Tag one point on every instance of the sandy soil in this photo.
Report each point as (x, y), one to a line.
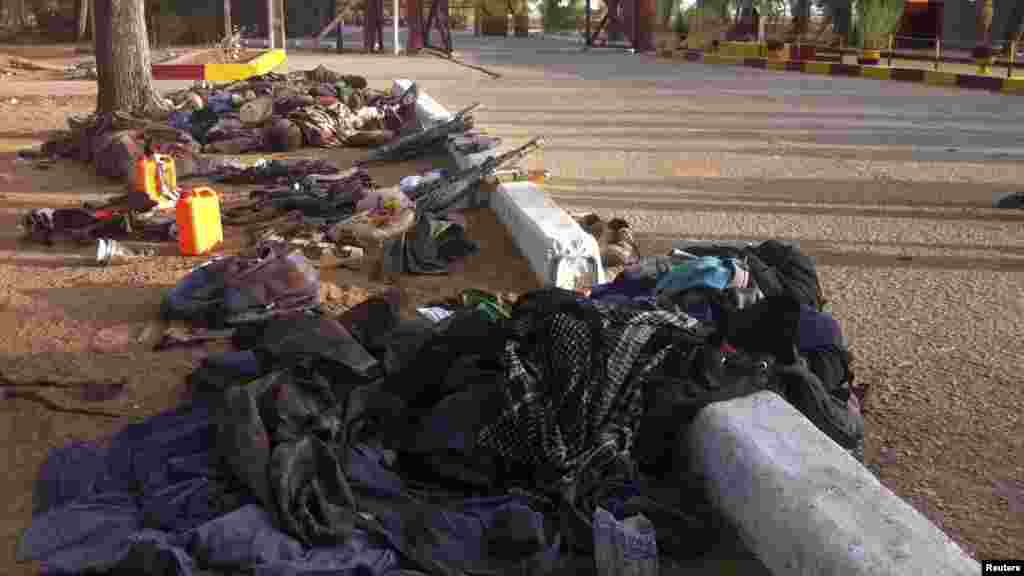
(888, 185)
(215, 56)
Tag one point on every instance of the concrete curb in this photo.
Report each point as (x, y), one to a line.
(916, 75)
(560, 253)
(803, 505)
(558, 250)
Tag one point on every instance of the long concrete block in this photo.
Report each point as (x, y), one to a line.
(558, 250)
(803, 505)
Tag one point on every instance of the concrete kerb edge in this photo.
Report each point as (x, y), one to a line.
(912, 75)
(802, 504)
(798, 500)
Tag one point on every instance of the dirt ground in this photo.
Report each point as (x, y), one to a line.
(216, 56)
(924, 276)
(63, 319)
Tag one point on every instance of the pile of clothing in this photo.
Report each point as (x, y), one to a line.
(268, 113)
(482, 437)
(118, 220)
(727, 286)
(318, 108)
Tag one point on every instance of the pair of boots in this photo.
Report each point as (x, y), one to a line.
(615, 239)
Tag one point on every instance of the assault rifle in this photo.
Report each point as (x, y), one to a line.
(437, 196)
(420, 143)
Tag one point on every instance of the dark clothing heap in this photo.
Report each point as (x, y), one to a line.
(301, 112)
(85, 225)
(431, 247)
(726, 286)
(276, 171)
(245, 289)
(317, 189)
(483, 443)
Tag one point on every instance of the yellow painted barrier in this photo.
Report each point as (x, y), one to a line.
(818, 68)
(740, 50)
(875, 72)
(718, 59)
(936, 78)
(240, 71)
(1013, 85)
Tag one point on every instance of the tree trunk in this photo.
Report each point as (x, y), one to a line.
(801, 14)
(122, 59)
(227, 18)
(16, 13)
(984, 13)
(1013, 26)
(83, 18)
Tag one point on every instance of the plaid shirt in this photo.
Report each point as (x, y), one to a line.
(576, 384)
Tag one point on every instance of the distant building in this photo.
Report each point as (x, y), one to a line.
(951, 20)
(959, 16)
(200, 21)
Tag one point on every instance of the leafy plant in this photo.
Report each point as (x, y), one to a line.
(876, 20)
(680, 23)
(557, 17)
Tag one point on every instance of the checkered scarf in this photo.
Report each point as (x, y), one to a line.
(324, 126)
(575, 372)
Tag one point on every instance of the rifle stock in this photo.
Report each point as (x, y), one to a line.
(412, 145)
(438, 195)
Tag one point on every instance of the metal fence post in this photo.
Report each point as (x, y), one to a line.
(892, 44)
(1013, 54)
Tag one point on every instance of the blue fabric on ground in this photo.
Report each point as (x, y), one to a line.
(180, 120)
(54, 488)
(244, 363)
(156, 499)
(92, 533)
(156, 474)
(624, 288)
(247, 537)
(196, 295)
(818, 330)
(707, 271)
(220, 102)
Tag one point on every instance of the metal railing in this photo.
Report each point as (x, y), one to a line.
(931, 51)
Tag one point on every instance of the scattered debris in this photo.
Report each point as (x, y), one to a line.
(1012, 200)
(334, 411)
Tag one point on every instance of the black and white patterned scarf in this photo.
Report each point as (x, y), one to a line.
(575, 371)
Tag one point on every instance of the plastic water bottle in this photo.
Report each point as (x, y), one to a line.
(626, 548)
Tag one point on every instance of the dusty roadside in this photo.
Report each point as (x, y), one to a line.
(890, 191)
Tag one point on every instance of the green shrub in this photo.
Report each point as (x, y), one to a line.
(680, 23)
(557, 18)
(876, 20)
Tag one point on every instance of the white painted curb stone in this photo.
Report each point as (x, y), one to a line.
(558, 250)
(428, 110)
(803, 505)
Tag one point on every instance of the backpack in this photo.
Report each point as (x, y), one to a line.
(277, 281)
(782, 269)
(116, 153)
(238, 289)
